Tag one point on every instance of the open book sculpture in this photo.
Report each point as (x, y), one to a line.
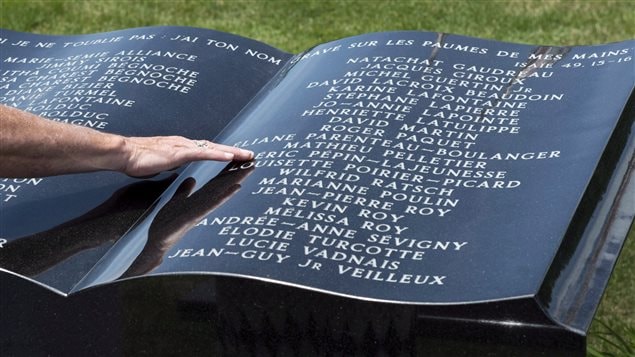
(408, 186)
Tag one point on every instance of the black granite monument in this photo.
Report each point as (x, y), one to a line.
(412, 194)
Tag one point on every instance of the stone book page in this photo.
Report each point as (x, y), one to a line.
(138, 82)
(402, 167)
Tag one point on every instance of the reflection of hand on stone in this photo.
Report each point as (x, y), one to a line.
(182, 213)
(33, 254)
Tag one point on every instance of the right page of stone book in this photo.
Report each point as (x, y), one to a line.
(404, 167)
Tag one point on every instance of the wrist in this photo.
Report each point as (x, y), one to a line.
(115, 153)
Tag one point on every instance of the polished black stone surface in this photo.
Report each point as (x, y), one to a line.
(523, 269)
(230, 316)
(80, 216)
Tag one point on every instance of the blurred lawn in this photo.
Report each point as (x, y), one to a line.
(296, 25)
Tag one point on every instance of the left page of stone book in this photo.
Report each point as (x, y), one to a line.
(138, 82)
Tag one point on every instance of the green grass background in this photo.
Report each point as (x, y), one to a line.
(294, 26)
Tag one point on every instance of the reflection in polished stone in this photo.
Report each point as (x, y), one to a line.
(39, 252)
(184, 210)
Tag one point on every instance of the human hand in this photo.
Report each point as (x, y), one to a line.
(145, 156)
(35, 147)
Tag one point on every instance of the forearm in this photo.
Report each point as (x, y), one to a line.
(32, 147)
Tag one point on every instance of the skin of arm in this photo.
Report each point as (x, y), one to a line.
(31, 146)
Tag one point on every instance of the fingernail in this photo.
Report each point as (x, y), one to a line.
(248, 153)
